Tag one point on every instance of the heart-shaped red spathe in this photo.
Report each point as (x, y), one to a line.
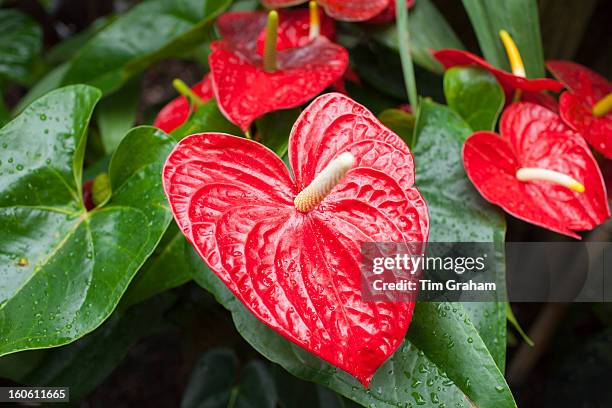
(293, 28)
(299, 273)
(177, 111)
(354, 10)
(450, 58)
(533, 136)
(586, 88)
(245, 91)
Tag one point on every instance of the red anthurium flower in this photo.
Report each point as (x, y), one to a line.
(509, 82)
(246, 88)
(176, 112)
(289, 248)
(587, 107)
(354, 10)
(538, 170)
(293, 28)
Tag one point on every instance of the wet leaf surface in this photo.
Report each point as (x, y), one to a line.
(64, 269)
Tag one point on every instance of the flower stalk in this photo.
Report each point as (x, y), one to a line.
(403, 34)
(310, 197)
(183, 89)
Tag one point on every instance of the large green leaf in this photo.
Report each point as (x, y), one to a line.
(20, 43)
(428, 31)
(520, 19)
(116, 114)
(149, 32)
(213, 383)
(49, 82)
(66, 49)
(442, 361)
(63, 269)
(474, 94)
(457, 212)
(84, 364)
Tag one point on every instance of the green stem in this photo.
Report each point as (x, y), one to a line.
(183, 89)
(403, 35)
(269, 58)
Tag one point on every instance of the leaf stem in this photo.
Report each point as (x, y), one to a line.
(183, 89)
(403, 35)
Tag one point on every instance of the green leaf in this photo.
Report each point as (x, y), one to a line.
(475, 94)
(457, 212)
(66, 49)
(428, 31)
(84, 364)
(49, 82)
(424, 370)
(520, 19)
(212, 383)
(20, 43)
(5, 115)
(208, 118)
(402, 123)
(273, 129)
(116, 115)
(64, 269)
(149, 32)
(166, 269)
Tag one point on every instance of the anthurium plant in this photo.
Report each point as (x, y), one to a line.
(213, 169)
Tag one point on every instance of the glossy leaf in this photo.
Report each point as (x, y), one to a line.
(213, 383)
(458, 213)
(5, 115)
(84, 364)
(149, 32)
(306, 286)
(520, 19)
(20, 43)
(67, 48)
(64, 269)
(418, 372)
(474, 94)
(47, 83)
(167, 268)
(428, 31)
(116, 115)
